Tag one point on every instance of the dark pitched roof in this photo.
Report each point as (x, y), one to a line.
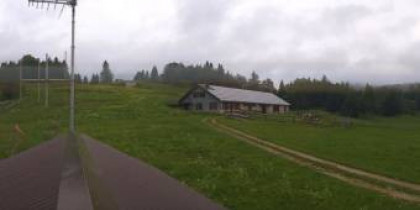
(245, 96)
(137, 185)
(31, 180)
(36, 179)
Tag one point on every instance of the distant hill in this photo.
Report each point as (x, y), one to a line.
(403, 87)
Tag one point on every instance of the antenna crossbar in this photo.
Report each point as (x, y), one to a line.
(55, 2)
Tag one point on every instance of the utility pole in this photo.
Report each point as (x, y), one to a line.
(72, 4)
(20, 80)
(66, 69)
(38, 82)
(46, 79)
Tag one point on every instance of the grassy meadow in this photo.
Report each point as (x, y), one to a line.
(389, 146)
(139, 122)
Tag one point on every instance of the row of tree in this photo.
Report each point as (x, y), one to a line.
(29, 66)
(211, 74)
(303, 93)
(144, 75)
(105, 76)
(57, 69)
(35, 68)
(350, 101)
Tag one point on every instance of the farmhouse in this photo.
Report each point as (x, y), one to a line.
(223, 99)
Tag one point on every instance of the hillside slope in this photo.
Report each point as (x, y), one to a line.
(138, 122)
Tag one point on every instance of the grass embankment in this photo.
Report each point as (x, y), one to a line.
(26, 123)
(138, 121)
(389, 146)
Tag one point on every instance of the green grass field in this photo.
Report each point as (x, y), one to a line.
(389, 146)
(139, 122)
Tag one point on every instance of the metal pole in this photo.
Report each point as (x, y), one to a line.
(72, 4)
(73, 23)
(20, 80)
(65, 67)
(46, 80)
(38, 82)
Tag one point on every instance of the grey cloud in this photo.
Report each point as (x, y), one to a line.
(411, 58)
(202, 20)
(362, 41)
(345, 15)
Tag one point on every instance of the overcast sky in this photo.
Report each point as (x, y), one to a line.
(375, 41)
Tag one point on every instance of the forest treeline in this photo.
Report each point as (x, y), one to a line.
(303, 93)
(212, 74)
(342, 98)
(28, 66)
(9, 71)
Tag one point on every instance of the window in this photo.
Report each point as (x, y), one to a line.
(250, 107)
(187, 106)
(213, 106)
(199, 93)
(263, 108)
(225, 106)
(236, 106)
(231, 106)
(199, 106)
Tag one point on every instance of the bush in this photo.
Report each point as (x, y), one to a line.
(8, 91)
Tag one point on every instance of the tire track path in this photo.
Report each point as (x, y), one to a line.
(353, 176)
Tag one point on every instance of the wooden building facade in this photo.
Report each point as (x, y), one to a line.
(223, 99)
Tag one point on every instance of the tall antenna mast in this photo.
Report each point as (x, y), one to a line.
(72, 4)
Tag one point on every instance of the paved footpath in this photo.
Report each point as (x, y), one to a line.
(86, 174)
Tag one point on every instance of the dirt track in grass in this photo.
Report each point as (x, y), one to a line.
(385, 185)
